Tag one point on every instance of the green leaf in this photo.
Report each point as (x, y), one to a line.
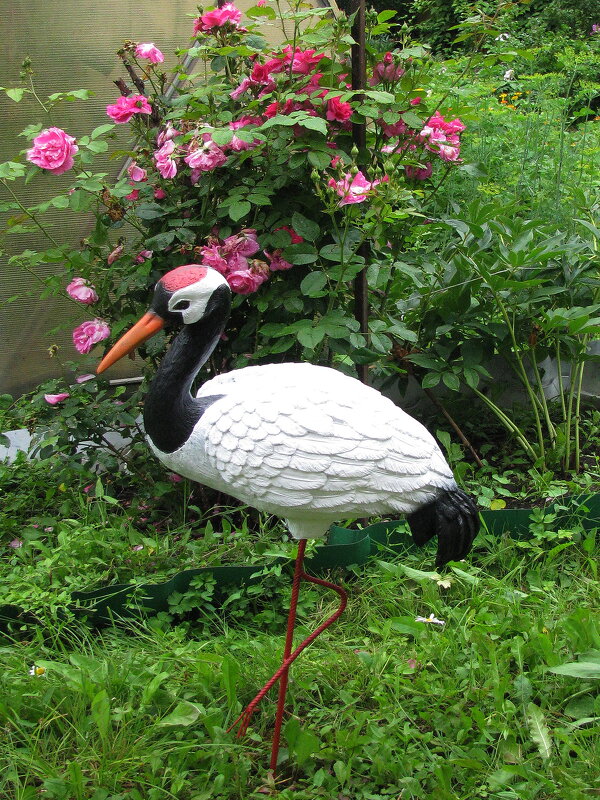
(101, 712)
(239, 209)
(314, 124)
(305, 227)
(149, 211)
(539, 730)
(12, 170)
(314, 284)
(184, 713)
(579, 669)
(319, 160)
(430, 380)
(230, 671)
(412, 120)
(310, 337)
(305, 745)
(16, 94)
(101, 130)
(451, 380)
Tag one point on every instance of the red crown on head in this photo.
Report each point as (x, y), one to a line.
(183, 276)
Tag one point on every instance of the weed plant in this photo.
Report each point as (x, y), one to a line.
(381, 706)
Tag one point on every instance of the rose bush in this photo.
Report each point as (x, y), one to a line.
(249, 164)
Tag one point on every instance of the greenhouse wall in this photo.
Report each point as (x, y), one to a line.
(71, 46)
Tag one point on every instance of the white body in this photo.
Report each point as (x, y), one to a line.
(311, 445)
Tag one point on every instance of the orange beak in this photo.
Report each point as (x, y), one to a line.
(143, 329)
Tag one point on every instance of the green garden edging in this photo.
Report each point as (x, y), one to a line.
(344, 547)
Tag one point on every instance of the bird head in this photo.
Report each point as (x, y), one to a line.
(185, 295)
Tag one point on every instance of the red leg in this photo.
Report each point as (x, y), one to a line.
(288, 656)
(289, 638)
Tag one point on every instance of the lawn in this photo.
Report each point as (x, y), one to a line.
(380, 706)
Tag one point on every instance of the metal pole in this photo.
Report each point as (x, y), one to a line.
(359, 134)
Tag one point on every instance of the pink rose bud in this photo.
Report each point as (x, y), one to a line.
(80, 290)
(142, 256)
(150, 51)
(116, 253)
(86, 335)
(159, 194)
(53, 399)
(53, 149)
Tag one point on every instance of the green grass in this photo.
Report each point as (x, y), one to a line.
(380, 706)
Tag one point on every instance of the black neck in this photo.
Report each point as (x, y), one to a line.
(170, 410)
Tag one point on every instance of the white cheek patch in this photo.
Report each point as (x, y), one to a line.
(198, 295)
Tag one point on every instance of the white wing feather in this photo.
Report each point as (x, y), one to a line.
(312, 445)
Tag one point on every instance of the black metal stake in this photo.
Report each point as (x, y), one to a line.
(359, 135)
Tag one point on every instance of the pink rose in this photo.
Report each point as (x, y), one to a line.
(228, 14)
(276, 262)
(142, 256)
(352, 189)
(419, 173)
(205, 157)
(53, 149)
(53, 399)
(212, 256)
(125, 107)
(80, 290)
(245, 282)
(303, 61)
(386, 70)
(338, 111)
(296, 238)
(137, 174)
(165, 164)
(149, 51)
(159, 194)
(243, 243)
(86, 335)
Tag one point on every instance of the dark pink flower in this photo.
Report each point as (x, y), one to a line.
(204, 157)
(133, 195)
(295, 238)
(245, 281)
(386, 70)
(136, 173)
(338, 111)
(150, 51)
(352, 189)
(415, 101)
(53, 150)
(86, 335)
(142, 256)
(80, 290)
(228, 14)
(165, 164)
(167, 134)
(159, 194)
(174, 477)
(125, 107)
(243, 243)
(276, 262)
(212, 256)
(303, 61)
(53, 399)
(419, 173)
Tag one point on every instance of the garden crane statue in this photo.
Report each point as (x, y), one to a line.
(303, 442)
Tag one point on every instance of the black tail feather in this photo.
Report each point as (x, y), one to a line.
(453, 517)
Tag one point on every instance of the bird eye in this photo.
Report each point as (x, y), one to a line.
(181, 305)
